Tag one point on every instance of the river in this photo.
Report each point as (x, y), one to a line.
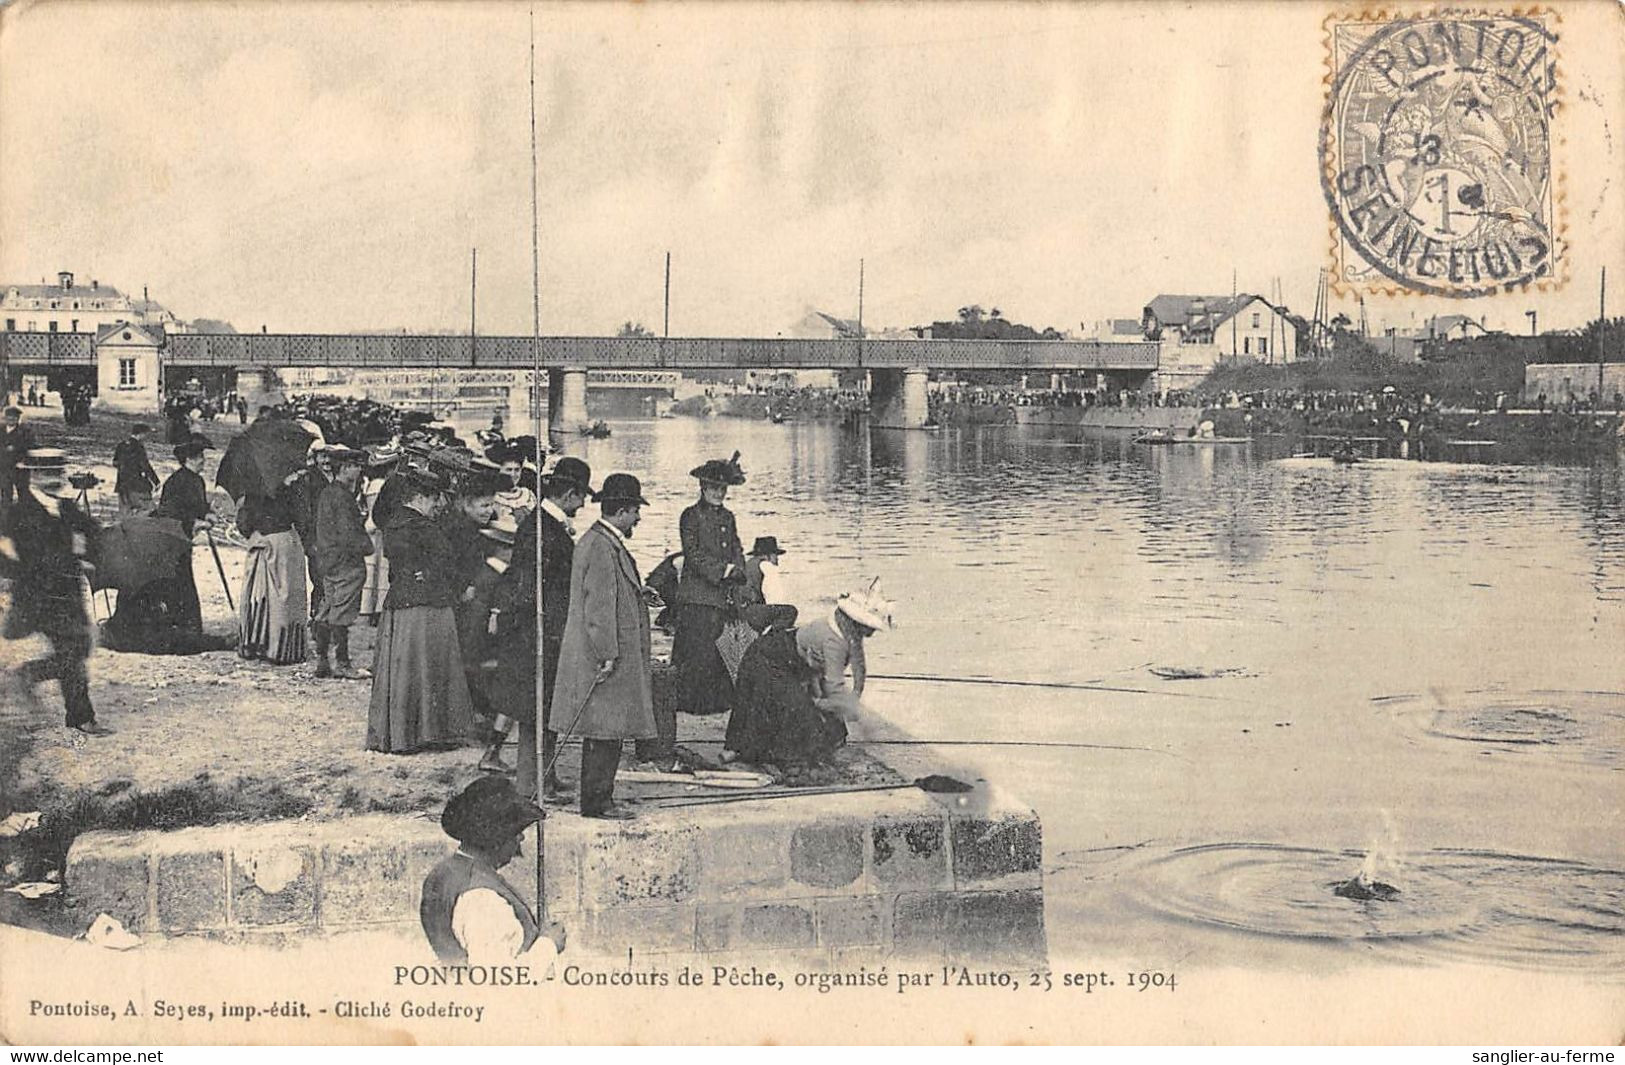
(1418, 668)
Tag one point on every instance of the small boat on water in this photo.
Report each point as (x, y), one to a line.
(1160, 437)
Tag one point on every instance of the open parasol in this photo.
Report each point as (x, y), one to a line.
(262, 458)
(140, 549)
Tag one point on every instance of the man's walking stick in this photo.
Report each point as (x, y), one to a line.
(220, 567)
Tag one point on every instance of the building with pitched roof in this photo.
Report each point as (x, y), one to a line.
(71, 307)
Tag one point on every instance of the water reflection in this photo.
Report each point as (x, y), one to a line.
(1044, 555)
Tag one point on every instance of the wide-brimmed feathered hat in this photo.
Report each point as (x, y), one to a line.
(867, 606)
(716, 471)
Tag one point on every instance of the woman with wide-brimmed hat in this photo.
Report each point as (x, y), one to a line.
(713, 573)
(419, 694)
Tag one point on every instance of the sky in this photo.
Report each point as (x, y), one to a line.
(328, 167)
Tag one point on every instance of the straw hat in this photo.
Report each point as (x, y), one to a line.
(867, 606)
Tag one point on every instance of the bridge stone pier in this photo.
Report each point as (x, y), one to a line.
(897, 398)
(567, 401)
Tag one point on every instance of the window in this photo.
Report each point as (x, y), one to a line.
(1258, 319)
(11, 325)
(53, 325)
(1246, 345)
(33, 325)
(126, 373)
(75, 327)
(1263, 345)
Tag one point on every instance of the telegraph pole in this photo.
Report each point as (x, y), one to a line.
(1602, 330)
(473, 295)
(665, 326)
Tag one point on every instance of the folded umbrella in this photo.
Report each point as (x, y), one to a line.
(137, 550)
(262, 457)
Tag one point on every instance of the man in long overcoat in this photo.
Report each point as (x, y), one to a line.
(604, 660)
(513, 615)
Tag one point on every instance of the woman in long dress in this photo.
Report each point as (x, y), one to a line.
(419, 694)
(273, 615)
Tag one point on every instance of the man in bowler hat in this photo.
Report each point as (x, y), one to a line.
(603, 691)
(513, 622)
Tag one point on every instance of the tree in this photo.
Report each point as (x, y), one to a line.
(634, 329)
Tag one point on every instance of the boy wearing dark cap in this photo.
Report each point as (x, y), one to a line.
(342, 547)
(470, 914)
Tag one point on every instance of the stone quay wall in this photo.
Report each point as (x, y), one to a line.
(838, 877)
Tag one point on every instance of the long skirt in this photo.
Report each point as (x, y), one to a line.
(774, 717)
(703, 684)
(419, 695)
(377, 584)
(272, 615)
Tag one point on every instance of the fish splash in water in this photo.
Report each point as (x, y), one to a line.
(1365, 889)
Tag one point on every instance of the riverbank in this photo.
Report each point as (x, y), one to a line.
(1513, 437)
(212, 739)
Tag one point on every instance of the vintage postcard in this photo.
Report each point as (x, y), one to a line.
(820, 523)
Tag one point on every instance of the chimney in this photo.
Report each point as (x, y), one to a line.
(65, 279)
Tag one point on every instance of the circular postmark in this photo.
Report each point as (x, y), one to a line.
(1436, 153)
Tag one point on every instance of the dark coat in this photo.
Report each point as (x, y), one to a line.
(264, 514)
(710, 546)
(46, 570)
(389, 500)
(516, 599)
(14, 444)
(185, 499)
(608, 620)
(135, 472)
(422, 564)
(342, 542)
(302, 497)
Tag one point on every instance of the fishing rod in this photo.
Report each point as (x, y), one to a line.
(1001, 682)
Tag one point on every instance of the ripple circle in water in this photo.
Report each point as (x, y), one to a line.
(1569, 726)
(1473, 906)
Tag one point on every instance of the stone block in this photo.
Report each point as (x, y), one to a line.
(993, 848)
(920, 923)
(273, 885)
(365, 881)
(756, 926)
(1003, 926)
(191, 890)
(744, 860)
(971, 927)
(660, 929)
(911, 854)
(641, 864)
(107, 872)
(853, 922)
(827, 855)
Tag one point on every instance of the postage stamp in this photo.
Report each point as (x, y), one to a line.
(1437, 153)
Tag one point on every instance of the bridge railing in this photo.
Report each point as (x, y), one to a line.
(48, 349)
(680, 353)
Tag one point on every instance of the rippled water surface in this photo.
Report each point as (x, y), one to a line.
(1420, 662)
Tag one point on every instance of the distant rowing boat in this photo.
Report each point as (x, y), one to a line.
(1165, 438)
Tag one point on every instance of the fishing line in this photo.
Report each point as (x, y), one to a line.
(1004, 683)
